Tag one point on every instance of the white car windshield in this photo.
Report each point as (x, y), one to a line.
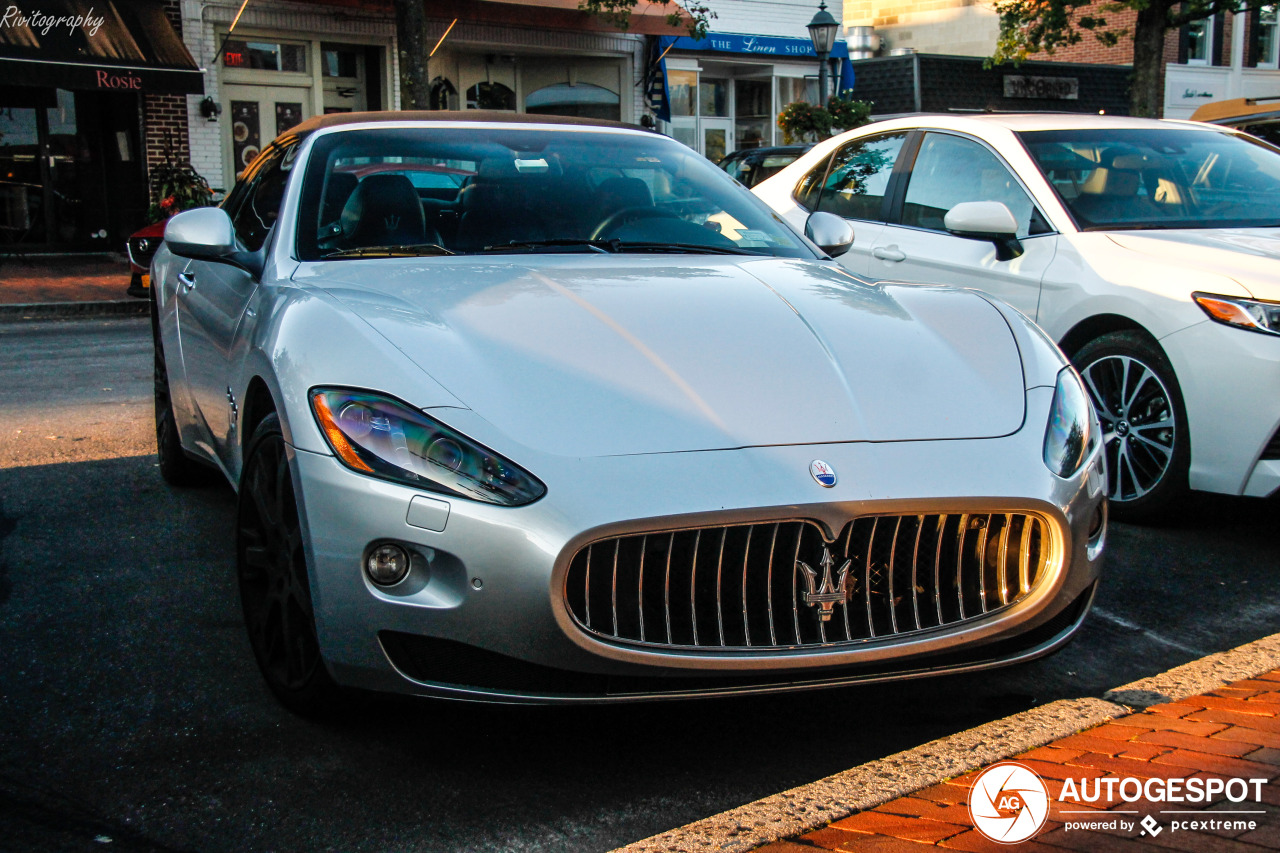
(1160, 178)
(522, 189)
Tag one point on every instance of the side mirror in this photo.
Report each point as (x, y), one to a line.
(986, 220)
(830, 232)
(206, 234)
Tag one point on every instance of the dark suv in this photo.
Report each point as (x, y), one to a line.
(752, 165)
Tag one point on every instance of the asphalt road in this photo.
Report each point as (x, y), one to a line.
(132, 717)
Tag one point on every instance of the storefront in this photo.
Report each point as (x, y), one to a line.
(72, 162)
(282, 63)
(724, 92)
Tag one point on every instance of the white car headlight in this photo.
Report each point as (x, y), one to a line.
(383, 437)
(1252, 314)
(1073, 429)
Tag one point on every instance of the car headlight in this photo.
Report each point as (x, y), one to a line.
(1073, 429)
(1252, 314)
(383, 437)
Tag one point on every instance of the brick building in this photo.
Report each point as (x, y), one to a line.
(1225, 56)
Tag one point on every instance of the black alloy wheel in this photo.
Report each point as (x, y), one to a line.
(176, 467)
(275, 591)
(1144, 423)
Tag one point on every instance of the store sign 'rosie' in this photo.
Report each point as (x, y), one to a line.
(107, 80)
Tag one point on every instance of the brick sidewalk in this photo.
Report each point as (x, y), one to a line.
(1233, 731)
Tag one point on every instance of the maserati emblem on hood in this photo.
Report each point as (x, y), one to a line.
(823, 473)
(826, 596)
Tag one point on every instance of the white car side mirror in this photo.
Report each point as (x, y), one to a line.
(986, 220)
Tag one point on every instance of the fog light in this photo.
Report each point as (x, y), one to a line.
(387, 565)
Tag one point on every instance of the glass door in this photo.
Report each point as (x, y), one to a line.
(70, 169)
(717, 138)
(258, 114)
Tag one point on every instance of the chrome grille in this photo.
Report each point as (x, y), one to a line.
(743, 586)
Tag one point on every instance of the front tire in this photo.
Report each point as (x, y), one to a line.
(275, 590)
(1144, 423)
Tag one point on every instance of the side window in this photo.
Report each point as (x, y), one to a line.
(259, 203)
(859, 176)
(950, 170)
(810, 186)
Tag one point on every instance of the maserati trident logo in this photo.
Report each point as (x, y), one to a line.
(825, 596)
(823, 473)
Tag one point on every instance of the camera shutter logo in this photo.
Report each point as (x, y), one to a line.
(1008, 803)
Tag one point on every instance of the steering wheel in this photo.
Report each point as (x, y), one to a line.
(625, 216)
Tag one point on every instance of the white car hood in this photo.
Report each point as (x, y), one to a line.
(608, 355)
(1250, 256)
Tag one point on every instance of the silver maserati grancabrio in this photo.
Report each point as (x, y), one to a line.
(536, 409)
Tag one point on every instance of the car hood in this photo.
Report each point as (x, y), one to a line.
(609, 355)
(1247, 255)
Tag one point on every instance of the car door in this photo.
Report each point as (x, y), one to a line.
(948, 169)
(854, 183)
(211, 300)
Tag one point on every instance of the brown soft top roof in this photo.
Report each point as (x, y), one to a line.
(323, 122)
(1237, 110)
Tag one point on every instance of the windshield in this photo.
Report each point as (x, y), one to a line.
(1160, 178)
(451, 190)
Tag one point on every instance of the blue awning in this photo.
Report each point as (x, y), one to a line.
(769, 46)
(778, 46)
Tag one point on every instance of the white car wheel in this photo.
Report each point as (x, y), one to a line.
(1143, 422)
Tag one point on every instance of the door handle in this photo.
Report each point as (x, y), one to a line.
(187, 280)
(889, 253)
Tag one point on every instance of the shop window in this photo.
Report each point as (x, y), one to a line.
(265, 56)
(340, 62)
(444, 95)
(682, 89)
(792, 89)
(713, 97)
(1200, 42)
(753, 107)
(491, 96)
(583, 100)
(21, 190)
(1268, 44)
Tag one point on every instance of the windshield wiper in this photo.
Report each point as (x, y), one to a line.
(683, 249)
(604, 247)
(416, 250)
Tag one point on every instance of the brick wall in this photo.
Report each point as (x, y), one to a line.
(1089, 49)
(164, 117)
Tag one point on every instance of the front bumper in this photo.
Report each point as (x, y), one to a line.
(1229, 378)
(482, 615)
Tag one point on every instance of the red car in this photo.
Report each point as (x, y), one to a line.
(141, 246)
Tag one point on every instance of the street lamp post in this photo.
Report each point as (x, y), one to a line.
(822, 31)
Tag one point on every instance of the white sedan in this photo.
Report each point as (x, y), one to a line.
(1146, 249)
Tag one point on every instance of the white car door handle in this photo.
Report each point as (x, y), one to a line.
(889, 253)
(187, 280)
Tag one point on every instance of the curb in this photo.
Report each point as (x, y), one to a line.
(65, 310)
(812, 806)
